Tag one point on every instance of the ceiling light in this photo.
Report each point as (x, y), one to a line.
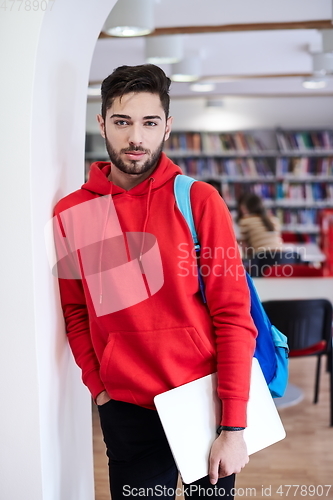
(202, 87)
(314, 83)
(186, 70)
(130, 18)
(323, 63)
(164, 49)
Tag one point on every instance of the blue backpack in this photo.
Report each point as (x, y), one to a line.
(271, 345)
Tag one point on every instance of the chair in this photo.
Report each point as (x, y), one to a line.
(263, 260)
(308, 325)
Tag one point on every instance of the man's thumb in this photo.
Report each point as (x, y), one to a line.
(213, 472)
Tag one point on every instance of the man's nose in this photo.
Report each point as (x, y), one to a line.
(135, 136)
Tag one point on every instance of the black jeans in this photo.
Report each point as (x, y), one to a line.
(140, 460)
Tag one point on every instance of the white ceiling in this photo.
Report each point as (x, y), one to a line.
(248, 55)
(215, 12)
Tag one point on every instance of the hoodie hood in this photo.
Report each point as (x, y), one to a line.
(99, 183)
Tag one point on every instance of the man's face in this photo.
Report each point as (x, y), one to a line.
(135, 129)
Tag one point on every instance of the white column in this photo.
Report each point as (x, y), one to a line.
(45, 417)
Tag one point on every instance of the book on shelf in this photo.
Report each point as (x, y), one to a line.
(304, 166)
(214, 143)
(304, 140)
(228, 194)
(308, 217)
(242, 168)
(241, 141)
(232, 192)
(319, 193)
(184, 141)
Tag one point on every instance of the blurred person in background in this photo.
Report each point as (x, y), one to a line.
(258, 230)
(216, 184)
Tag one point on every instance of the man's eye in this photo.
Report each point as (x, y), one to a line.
(151, 124)
(121, 122)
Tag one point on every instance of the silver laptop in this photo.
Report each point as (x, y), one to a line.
(190, 415)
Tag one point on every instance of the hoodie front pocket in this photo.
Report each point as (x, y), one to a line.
(149, 362)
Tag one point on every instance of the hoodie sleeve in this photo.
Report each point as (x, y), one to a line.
(76, 317)
(78, 333)
(228, 300)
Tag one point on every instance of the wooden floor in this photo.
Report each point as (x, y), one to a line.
(305, 457)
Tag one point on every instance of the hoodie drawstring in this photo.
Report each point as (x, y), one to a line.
(102, 245)
(151, 180)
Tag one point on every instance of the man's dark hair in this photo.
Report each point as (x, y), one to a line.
(143, 78)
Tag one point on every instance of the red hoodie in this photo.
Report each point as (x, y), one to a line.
(135, 320)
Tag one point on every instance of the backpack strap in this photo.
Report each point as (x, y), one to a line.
(182, 187)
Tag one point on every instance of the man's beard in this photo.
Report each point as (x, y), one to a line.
(133, 167)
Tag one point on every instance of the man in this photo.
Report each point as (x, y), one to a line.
(135, 320)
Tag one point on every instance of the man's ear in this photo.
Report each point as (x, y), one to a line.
(168, 127)
(101, 125)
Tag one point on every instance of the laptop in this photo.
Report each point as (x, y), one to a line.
(190, 415)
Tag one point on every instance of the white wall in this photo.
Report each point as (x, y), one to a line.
(45, 418)
(20, 460)
(243, 113)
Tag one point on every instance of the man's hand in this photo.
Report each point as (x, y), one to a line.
(102, 398)
(228, 455)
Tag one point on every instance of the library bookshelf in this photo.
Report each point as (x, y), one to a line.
(292, 170)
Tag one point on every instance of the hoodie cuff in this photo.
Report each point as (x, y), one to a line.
(93, 382)
(234, 413)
